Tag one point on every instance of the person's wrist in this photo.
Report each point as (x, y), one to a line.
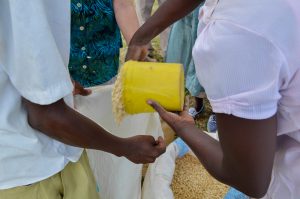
(139, 39)
(182, 129)
(122, 147)
(137, 42)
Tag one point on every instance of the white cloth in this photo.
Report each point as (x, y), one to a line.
(247, 59)
(118, 178)
(34, 49)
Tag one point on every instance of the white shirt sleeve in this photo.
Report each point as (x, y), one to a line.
(34, 48)
(241, 71)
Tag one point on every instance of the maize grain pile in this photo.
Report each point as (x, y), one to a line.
(191, 181)
(118, 107)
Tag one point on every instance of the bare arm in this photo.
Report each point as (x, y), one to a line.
(167, 14)
(244, 156)
(126, 18)
(62, 123)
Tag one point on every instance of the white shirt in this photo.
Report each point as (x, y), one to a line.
(247, 57)
(34, 49)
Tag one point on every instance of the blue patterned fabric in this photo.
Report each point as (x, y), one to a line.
(95, 42)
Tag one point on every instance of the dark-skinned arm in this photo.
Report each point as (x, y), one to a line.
(166, 15)
(62, 123)
(244, 156)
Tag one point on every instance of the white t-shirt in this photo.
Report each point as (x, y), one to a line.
(247, 57)
(34, 53)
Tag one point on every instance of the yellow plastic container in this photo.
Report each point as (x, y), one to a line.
(162, 82)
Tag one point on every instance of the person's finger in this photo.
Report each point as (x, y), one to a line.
(145, 141)
(161, 146)
(85, 92)
(159, 139)
(185, 106)
(128, 54)
(161, 111)
(82, 91)
(184, 114)
(133, 53)
(143, 54)
(76, 91)
(150, 139)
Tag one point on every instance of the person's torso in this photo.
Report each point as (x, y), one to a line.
(95, 42)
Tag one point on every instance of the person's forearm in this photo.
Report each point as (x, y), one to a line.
(66, 125)
(244, 156)
(209, 152)
(207, 149)
(167, 14)
(126, 18)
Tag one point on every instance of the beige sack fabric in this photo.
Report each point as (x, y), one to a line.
(118, 178)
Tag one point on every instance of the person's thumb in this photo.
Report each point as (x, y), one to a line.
(161, 145)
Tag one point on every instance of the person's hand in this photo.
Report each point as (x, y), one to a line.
(137, 52)
(79, 90)
(177, 122)
(144, 149)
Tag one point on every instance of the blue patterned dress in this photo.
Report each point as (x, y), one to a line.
(95, 42)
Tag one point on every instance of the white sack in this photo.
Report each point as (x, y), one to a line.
(159, 176)
(118, 178)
